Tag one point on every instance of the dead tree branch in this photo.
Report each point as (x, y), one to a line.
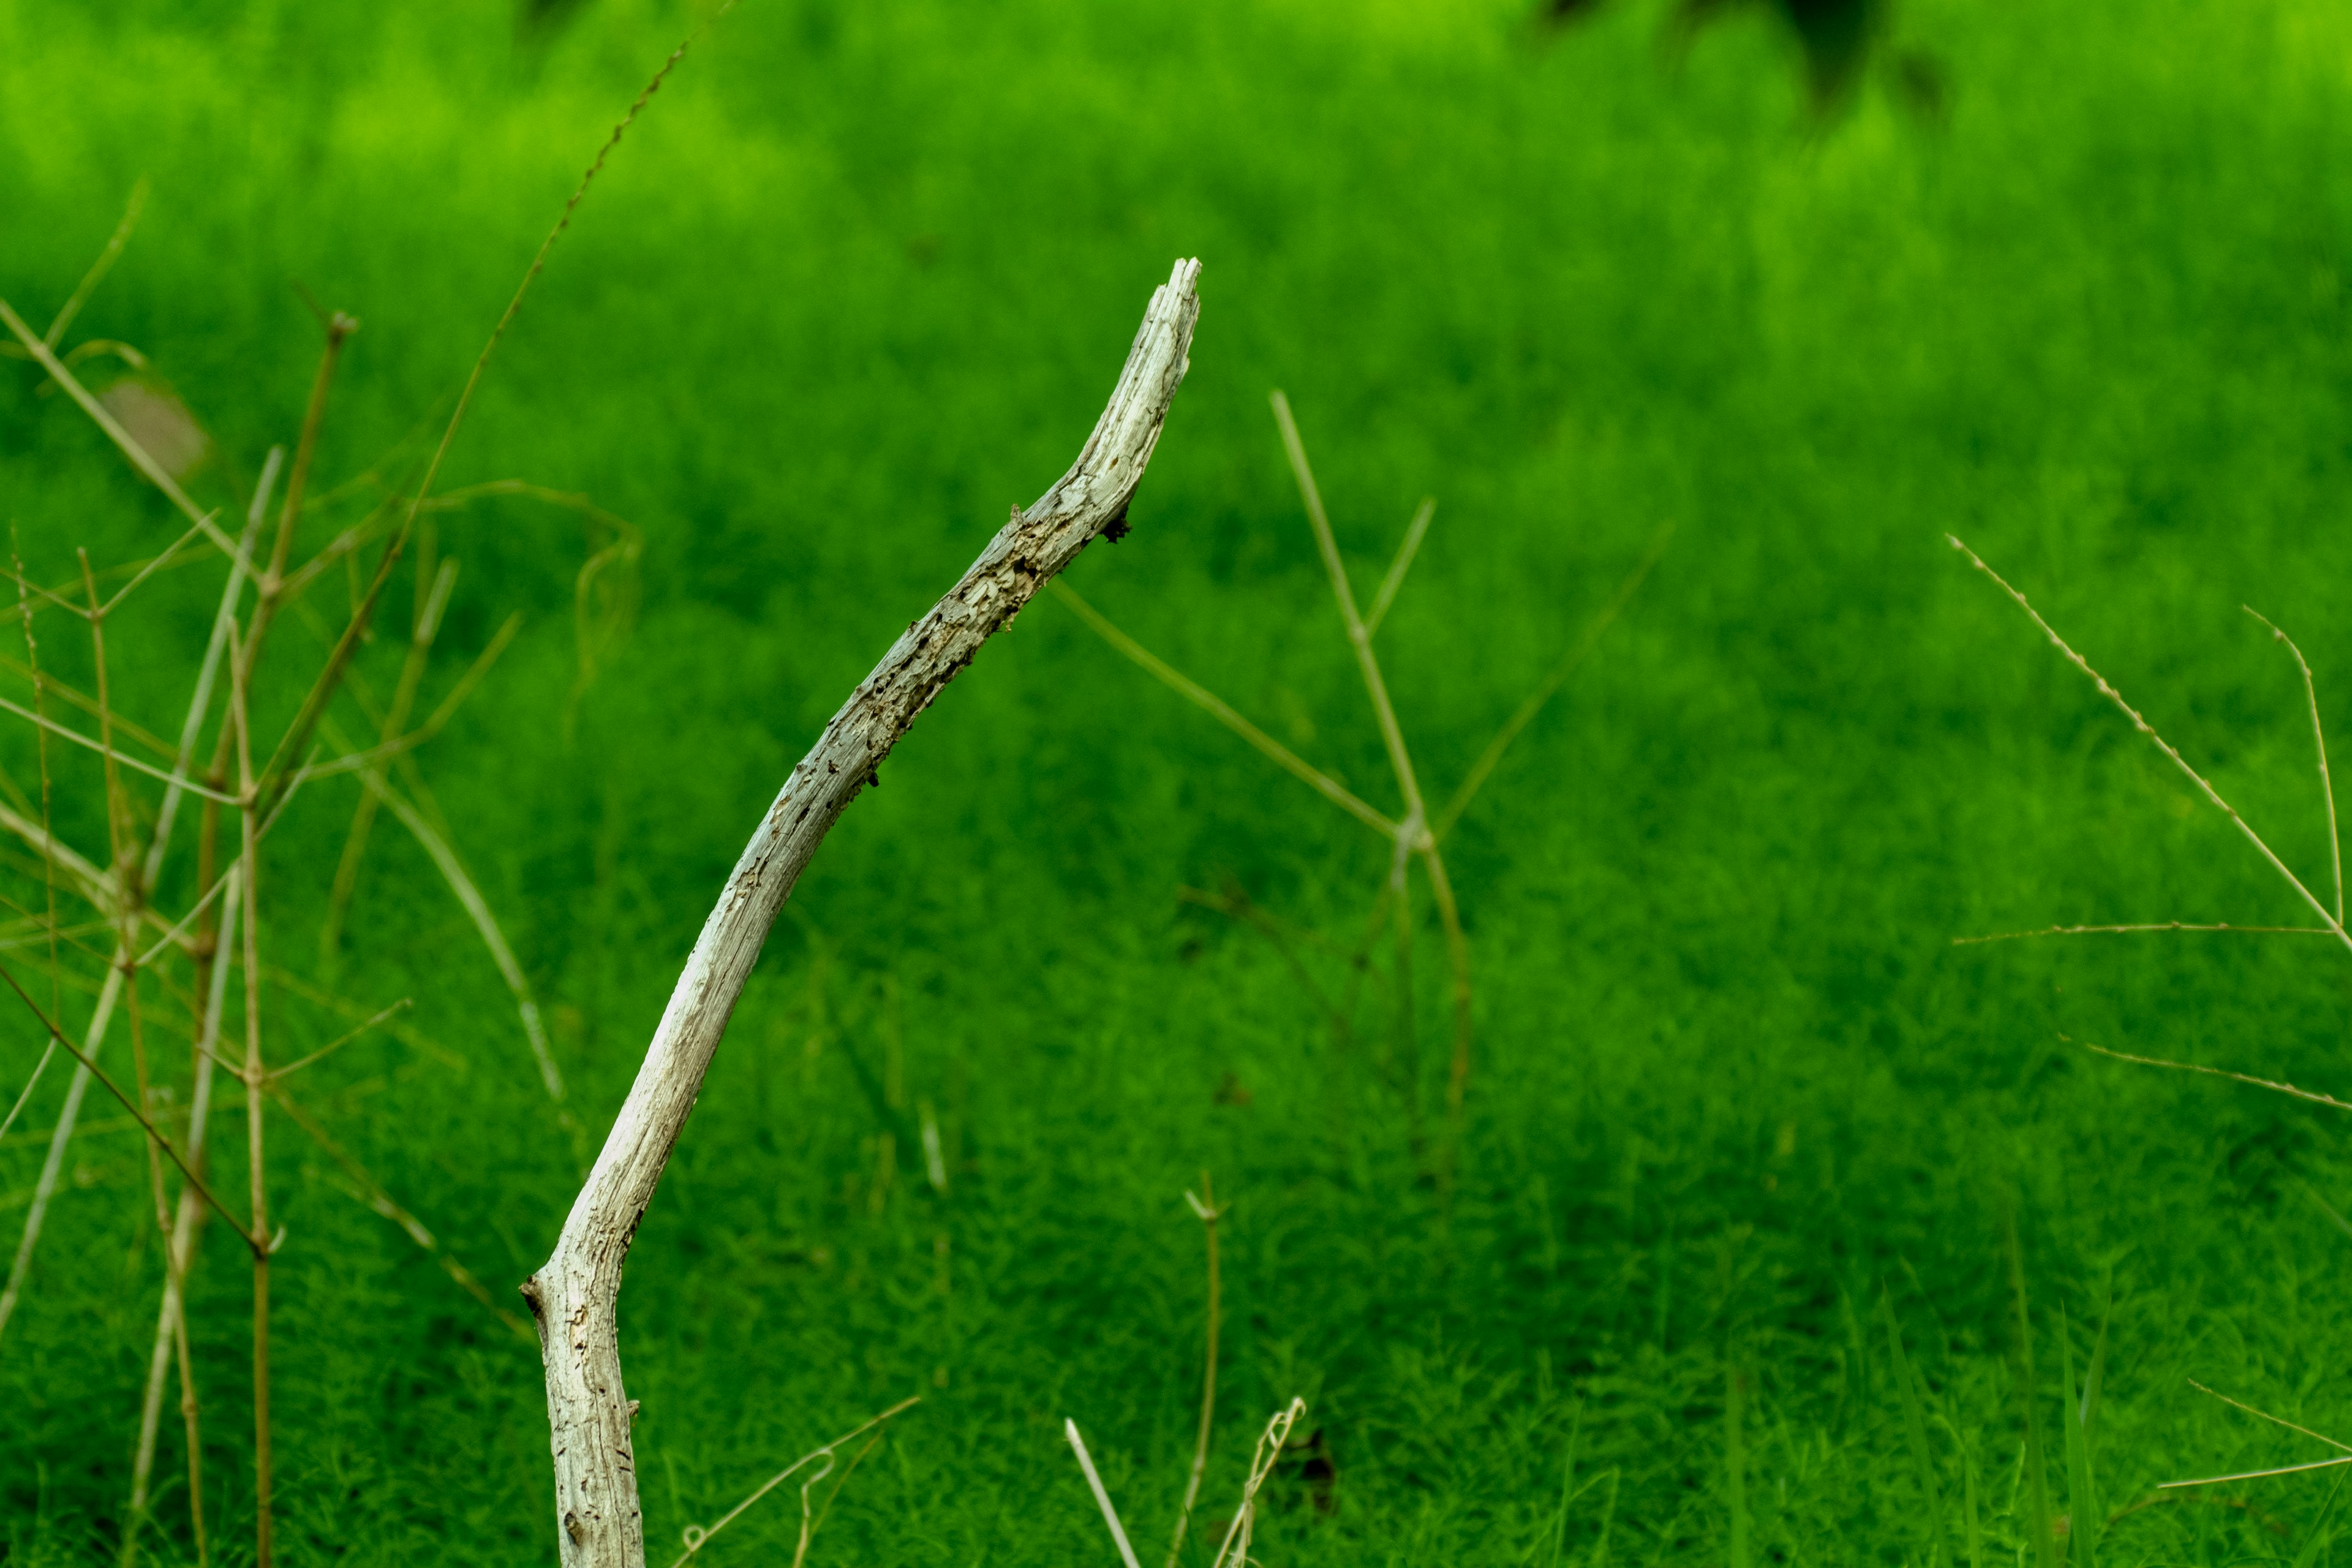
(573, 1295)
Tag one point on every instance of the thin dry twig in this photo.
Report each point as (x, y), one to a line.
(574, 1294)
(1200, 696)
(1234, 1552)
(2319, 744)
(1394, 579)
(133, 1106)
(2148, 926)
(371, 1193)
(696, 1537)
(154, 471)
(1602, 619)
(2335, 925)
(99, 267)
(2286, 1088)
(2274, 1420)
(2257, 1475)
(1102, 1498)
(1205, 1209)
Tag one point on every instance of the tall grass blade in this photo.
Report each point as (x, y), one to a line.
(1736, 1466)
(2084, 1518)
(1915, 1431)
(2037, 1479)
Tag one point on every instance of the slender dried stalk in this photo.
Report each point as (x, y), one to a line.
(99, 267)
(434, 603)
(1391, 584)
(1191, 690)
(1234, 1552)
(256, 1075)
(179, 1258)
(44, 1187)
(2334, 924)
(48, 853)
(697, 1537)
(2319, 744)
(1102, 1497)
(1206, 1207)
(478, 909)
(1413, 834)
(573, 1295)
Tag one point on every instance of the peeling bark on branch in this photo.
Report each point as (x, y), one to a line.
(573, 1295)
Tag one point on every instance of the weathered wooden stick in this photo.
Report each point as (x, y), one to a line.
(573, 1295)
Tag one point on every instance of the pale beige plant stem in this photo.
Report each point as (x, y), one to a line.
(2273, 1084)
(191, 1419)
(1525, 714)
(99, 267)
(147, 466)
(1193, 691)
(1412, 834)
(425, 627)
(255, 1076)
(1368, 663)
(478, 909)
(2319, 744)
(1413, 534)
(1205, 1207)
(1234, 1552)
(48, 851)
(180, 1256)
(2335, 925)
(121, 1098)
(1102, 1497)
(44, 1187)
(108, 889)
(2266, 1415)
(129, 891)
(697, 1537)
(2145, 926)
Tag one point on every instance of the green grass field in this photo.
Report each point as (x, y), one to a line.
(859, 279)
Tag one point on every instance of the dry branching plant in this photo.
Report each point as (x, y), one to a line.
(2328, 913)
(192, 934)
(1232, 1550)
(1414, 833)
(211, 945)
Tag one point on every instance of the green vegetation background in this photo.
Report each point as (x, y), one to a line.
(859, 280)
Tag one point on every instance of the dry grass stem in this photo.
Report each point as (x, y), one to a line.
(1102, 1498)
(2286, 1088)
(2334, 924)
(2319, 744)
(1234, 1552)
(697, 1537)
(2274, 1420)
(2257, 1474)
(1205, 1208)
(2148, 926)
(1525, 714)
(1394, 579)
(99, 267)
(170, 1330)
(64, 1130)
(154, 471)
(1193, 692)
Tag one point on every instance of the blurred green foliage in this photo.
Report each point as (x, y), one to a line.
(861, 277)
